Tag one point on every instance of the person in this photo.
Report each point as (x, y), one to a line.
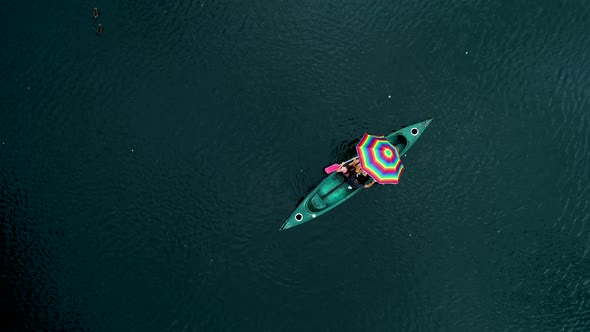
(99, 30)
(345, 169)
(95, 13)
(358, 180)
(355, 175)
(354, 165)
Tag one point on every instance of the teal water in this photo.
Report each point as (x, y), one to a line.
(144, 173)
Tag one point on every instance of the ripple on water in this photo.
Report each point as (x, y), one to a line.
(37, 251)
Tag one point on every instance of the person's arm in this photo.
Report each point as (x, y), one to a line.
(370, 184)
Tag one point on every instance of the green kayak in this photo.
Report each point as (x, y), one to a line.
(334, 189)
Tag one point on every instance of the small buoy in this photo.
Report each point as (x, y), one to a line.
(389, 96)
(95, 13)
(99, 30)
(466, 52)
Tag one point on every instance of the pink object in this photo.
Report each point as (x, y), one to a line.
(331, 168)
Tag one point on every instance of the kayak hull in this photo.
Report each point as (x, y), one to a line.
(333, 190)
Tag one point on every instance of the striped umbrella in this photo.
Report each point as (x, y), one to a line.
(380, 159)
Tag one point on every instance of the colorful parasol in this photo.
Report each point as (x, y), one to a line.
(380, 159)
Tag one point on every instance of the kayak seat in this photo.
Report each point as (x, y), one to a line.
(338, 194)
(330, 184)
(317, 203)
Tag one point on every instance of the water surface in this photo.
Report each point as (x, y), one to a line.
(145, 173)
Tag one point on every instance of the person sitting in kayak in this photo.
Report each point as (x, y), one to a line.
(359, 180)
(353, 166)
(356, 163)
(345, 169)
(363, 178)
(355, 175)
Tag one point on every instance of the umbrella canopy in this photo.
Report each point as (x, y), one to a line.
(380, 159)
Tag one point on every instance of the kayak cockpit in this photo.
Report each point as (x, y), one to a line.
(399, 141)
(316, 203)
(333, 191)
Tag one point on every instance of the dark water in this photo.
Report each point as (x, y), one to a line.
(144, 174)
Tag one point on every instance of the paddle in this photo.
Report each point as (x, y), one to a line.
(331, 168)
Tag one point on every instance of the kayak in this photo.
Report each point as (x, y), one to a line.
(333, 190)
